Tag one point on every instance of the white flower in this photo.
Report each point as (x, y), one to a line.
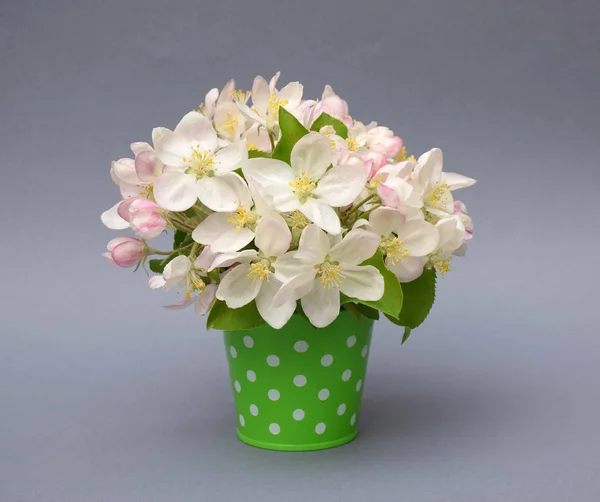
(395, 191)
(266, 100)
(451, 237)
(405, 244)
(198, 169)
(253, 278)
(309, 186)
(437, 185)
(180, 274)
(227, 232)
(318, 272)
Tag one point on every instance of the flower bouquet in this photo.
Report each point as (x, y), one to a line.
(295, 227)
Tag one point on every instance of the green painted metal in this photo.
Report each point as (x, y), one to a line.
(299, 388)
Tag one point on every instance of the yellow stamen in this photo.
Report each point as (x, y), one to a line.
(303, 187)
(242, 218)
(352, 144)
(240, 96)
(394, 249)
(200, 162)
(441, 263)
(260, 271)
(251, 146)
(439, 195)
(297, 220)
(330, 274)
(195, 284)
(402, 156)
(231, 123)
(275, 103)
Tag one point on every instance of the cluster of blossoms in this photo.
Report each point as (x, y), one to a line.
(284, 204)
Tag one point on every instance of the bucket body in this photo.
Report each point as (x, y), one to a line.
(299, 388)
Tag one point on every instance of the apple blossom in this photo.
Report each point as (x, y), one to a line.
(318, 272)
(309, 186)
(197, 167)
(405, 244)
(125, 251)
(144, 217)
(253, 276)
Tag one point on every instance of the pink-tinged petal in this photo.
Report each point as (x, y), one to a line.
(108, 256)
(156, 282)
(147, 166)
(175, 191)
(225, 95)
(205, 300)
(198, 131)
(171, 148)
(148, 224)
(180, 305)
(128, 253)
(388, 196)
(260, 95)
(123, 208)
(139, 147)
(124, 170)
(113, 243)
(112, 220)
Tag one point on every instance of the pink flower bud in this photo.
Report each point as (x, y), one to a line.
(125, 251)
(144, 216)
(382, 139)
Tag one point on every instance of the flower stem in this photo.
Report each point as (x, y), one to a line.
(362, 202)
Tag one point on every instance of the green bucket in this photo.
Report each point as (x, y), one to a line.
(299, 388)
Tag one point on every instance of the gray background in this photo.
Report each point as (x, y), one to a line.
(104, 396)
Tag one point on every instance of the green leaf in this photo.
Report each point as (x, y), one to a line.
(156, 266)
(391, 301)
(419, 296)
(255, 154)
(291, 132)
(367, 311)
(407, 331)
(324, 120)
(223, 318)
(178, 238)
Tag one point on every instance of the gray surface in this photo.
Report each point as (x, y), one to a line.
(106, 397)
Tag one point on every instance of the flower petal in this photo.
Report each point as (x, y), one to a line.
(156, 282)
(236, 289)
(197, 130)
(232, 240)
(212, 228)
(321, 215)
(420, 237)
(204, 300)
(313, 245)
(276, 317)
(292, 93)
(260, 95)
(206, 258)
(273, 237)
(112, 220)
(285, 201)
(358, 245)
(124, 170)
(365, 283)
(342, 184)
(388, 195)
(147, 165)
(407, 269)
(231, 157)
(171, 148)
(296, 287)
(268, 173)
(429, 167)
(311, 156)
(225, 260)
(385, 220)
(180, 305)
(175, 191)
(140, 146)
(287, 266)
(178, 268)
(222, 193)
(321, 305)
(456, 181)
